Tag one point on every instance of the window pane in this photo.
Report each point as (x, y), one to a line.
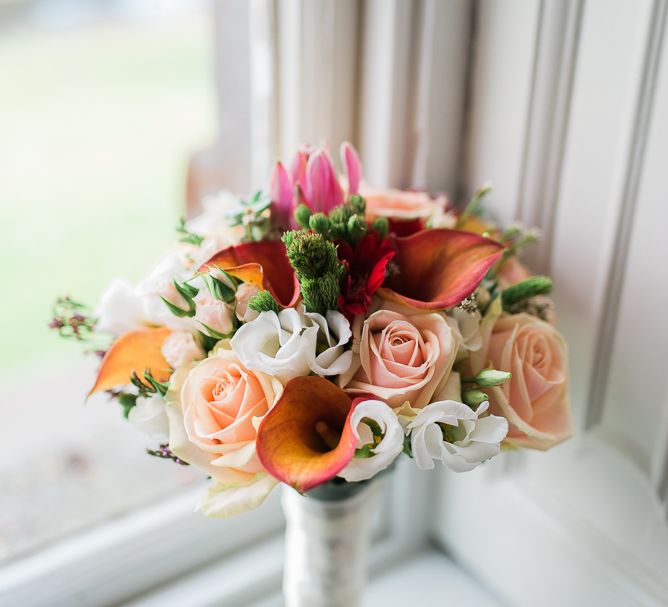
(101, 104)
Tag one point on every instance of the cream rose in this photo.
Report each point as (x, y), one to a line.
(535, 401)
(402, 358)
(399, 204)
(214, 408)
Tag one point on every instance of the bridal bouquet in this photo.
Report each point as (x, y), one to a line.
(315, 334)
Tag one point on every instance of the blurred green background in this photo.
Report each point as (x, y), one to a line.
(96, 127)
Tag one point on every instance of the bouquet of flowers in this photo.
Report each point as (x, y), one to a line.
(314, 334)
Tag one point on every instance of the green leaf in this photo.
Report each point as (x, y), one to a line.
(474, 205)
(127, 401)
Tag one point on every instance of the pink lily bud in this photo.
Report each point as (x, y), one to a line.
(322, 190)
(281, 193)
(298, 165)
(350, 160)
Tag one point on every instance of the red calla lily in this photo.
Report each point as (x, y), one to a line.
(439, 268)
(306, 439)
(264, 264)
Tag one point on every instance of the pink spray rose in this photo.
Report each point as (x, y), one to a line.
(535, 400)
(403, 358)
(213, 313)
(400, 204)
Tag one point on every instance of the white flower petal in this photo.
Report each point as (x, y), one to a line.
(385, 452)
(222, 501)
(481, 441)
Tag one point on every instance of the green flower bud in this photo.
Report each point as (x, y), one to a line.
(303, 215)
(381, 225)
(357, 204)
(535, 285)
(473, 398)
(356, 228)
(491, 377)
(263, 301)
(320, 223)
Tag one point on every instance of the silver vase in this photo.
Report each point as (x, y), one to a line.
(327, 541)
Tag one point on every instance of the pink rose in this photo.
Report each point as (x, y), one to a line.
(400, 204)
(214, 408)
(213, 313)
(403, 358)
(535, 401)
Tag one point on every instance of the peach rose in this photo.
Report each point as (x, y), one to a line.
(400, 204)
(214, 408)
(402, 358)
(535, 401)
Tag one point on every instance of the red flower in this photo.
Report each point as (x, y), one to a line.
(366, 265)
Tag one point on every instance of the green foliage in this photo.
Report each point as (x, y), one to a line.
(263, 302)
(127, 402)
(188, 293)
(149, 386)
(224, 290)
(474, 206)
(253, 215)
(73, 320)
(186, 236)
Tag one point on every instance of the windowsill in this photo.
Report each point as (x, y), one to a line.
(254, 578)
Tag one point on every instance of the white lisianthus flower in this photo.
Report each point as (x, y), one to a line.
(385, 450)
(150, 417)
(120, 308)
(333, 335)
(181, 348)
(275, 344)
(453, 433)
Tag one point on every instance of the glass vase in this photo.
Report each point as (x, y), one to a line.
(327, 541)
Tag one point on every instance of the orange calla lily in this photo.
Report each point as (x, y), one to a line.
(306, 439)
(133, 352)
(439, 268)
(264, 264)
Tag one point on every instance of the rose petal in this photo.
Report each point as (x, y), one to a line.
(290, 446)
(133, 352)
(439, 268)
